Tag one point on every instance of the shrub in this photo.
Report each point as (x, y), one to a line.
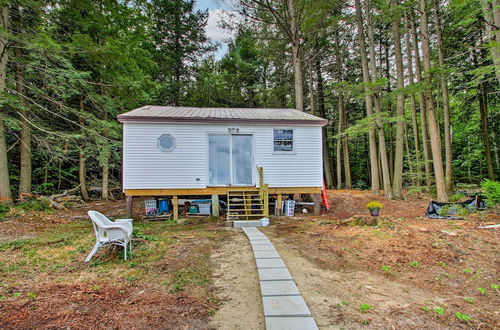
(4, 209)
(492, 191)
(374, 205)
(457, 197)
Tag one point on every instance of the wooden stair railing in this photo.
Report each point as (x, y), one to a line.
(249, 204)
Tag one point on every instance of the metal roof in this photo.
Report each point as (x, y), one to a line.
(156, 113)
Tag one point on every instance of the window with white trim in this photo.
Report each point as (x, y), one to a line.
(283, 140)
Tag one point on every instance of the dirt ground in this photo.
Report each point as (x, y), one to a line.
(415, 273)
(411, 272)
(237, 285)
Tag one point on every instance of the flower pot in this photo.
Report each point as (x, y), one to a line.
(374, 212)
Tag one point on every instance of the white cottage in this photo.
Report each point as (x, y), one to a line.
(186, 151)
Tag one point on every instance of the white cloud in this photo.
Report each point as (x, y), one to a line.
(213, 30)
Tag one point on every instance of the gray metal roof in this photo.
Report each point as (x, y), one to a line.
(154, 113)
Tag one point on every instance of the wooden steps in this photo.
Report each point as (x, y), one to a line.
(248, 204)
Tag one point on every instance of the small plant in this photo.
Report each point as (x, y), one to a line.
(17, 294)
(365, 308)
(344, 303)
(365, 322)
(374, 205)
(176, 287)
(495, 286)
(468, 271)
(456, 197)
(439, 310)
(32, 295)
(468, 299)
(414, 264)
(426, 309)
(492, 191)
(463, 317)
(386, 268)
(442, 264)
(132, 264)
(96, 288)
(481, 290)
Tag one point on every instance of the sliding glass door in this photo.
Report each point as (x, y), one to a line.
(230, 159)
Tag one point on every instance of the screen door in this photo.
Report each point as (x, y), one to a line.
(219, 157)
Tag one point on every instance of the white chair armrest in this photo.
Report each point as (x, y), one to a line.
(125, 220)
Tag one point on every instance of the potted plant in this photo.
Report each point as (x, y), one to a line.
(374, 208)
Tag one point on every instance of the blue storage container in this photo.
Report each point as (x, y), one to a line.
(163, 206)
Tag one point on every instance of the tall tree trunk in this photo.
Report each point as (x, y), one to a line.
(25, 145)
(82, 168)
(322, 111)
(378, 108)
(339, 148)
(312, 100)
(105, 174)
(397, 184)
(446, 103)
(483, 111)
(437, 159)
(422, 107)
(5, 193)
(374, 168)
(491, 12)
(411, 81)
(408, 155)
(345, 147)
(297, 66)
(342, 141)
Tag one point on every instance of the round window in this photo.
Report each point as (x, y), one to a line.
(166, 142)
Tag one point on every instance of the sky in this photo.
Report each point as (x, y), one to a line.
(216, 11)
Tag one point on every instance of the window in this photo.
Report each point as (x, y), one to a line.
(283, 140)
(166, 142)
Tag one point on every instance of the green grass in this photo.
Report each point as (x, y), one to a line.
(414, 264)
(365, 308)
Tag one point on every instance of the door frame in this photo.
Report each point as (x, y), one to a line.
(207, 163)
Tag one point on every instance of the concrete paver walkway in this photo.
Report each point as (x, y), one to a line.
(284, 307)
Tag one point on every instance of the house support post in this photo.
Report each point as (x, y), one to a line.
(317, 203)
(175, 204)
(129, 201)
(215, 205)
(277, 210)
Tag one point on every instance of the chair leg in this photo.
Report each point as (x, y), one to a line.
(130, 243)
(125, 249)
(92, 252)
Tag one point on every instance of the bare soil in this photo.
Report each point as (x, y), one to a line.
(404, 272)
(237, 285)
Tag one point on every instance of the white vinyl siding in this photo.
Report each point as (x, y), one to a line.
(186, 166)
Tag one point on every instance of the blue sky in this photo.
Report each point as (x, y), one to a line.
(216, 11)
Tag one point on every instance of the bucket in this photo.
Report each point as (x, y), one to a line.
(264, 222)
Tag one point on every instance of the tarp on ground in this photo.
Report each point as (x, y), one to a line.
(434, 210)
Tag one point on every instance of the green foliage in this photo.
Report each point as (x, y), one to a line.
(414, 264)
(492, 191)
(4, 209)
(365, 308)
(439, 311)
(386, 268)
(481, 290)
(456, 197)
(463, 317)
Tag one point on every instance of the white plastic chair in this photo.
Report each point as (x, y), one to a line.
(107, 232)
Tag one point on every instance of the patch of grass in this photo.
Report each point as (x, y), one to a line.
(414, 264)
(344, 303)
(442, 264)
(463, 317)
(481, 290)
(17, 294)
(439, 311)
(32, 295)
(495, 286)
(365, 308)
(365, 322)
(468, 271)
(456, 197)
(426, 309)
(386, 268)
(468, 299)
